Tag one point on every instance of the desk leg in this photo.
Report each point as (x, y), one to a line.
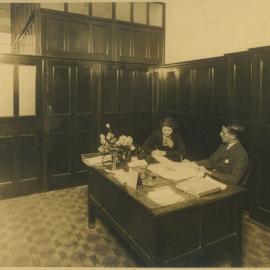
(91, 215)
(236, 250)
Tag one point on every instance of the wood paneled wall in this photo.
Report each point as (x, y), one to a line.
(204, 94)
(53, 33)
(75, 98)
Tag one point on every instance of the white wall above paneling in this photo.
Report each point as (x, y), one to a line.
(198, 29)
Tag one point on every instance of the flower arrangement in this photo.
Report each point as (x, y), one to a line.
(119, 147)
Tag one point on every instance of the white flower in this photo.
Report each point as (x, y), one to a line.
(102, 136)
(107, 125)
(122, 141)
(101, 149)
(103, 141)
(129, 140)
(132, 147)
(109, 136)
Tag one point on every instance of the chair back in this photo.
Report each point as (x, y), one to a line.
(245, 179)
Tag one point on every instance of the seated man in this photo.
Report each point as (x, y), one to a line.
(166, 141)
(230, 160)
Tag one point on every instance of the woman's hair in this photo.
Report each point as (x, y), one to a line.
(235, 129)
(168, 122)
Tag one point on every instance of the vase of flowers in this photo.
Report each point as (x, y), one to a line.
(120, 148)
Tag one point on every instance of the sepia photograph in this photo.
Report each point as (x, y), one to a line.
(135, 134)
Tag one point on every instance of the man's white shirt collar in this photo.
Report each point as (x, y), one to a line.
(230, 145)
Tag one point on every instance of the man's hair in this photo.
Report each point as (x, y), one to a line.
(235, 129)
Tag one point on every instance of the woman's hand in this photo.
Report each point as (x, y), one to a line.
(167, 141)
(158, 153)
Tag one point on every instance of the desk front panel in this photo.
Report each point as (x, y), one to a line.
(179, 234)
(167, 235)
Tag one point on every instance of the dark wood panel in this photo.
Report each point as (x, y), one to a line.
(115, 203)
(84, 103)
(187, 233)
(264, 190)
(6, 159)
(242, 90)
(60, 92)
(125, 39)
(110, 95)
(171, 90)
(142, 92)
(78, 38)
(155, 92)
(55, 39)
(140, 44)
(29, 160)
(220, 94)
(265, 92)
(218, 225)
(131, 124)
(155, 46)
(61, 153)
(126, 90)
(202, 91)
(144, 236)
(101, 40)
(184, 91)
(85, 142)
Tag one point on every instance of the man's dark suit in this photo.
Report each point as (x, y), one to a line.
(227, 164)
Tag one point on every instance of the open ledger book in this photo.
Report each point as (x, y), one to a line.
(200, 186)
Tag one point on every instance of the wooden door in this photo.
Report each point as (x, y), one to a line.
(20, 126)
(71, 120)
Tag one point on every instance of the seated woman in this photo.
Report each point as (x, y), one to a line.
(230, 160)
(166, 141)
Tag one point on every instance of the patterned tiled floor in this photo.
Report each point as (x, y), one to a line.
(50, 229)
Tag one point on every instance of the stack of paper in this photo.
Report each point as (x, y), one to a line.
(98, 160)
(164, 196)
(173, 173)
(200, 186)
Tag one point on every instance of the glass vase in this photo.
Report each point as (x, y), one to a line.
(114, 160)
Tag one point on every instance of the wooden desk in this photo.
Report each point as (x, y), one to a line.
(171, 235)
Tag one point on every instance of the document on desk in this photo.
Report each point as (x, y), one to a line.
(135, 162)
(174, 170)
(165, 196)
(98, 160)
(120, 175)
(200, 186)
(129, 177)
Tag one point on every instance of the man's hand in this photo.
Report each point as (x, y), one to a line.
(205, 171)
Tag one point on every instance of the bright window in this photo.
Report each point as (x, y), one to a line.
(6, 93)
(27, 90)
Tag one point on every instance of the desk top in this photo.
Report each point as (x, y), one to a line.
(140, 194)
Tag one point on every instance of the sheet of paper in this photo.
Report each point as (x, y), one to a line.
(126, 177)
(120, 175)
(137, 163)
(164, 196)
(132, 178)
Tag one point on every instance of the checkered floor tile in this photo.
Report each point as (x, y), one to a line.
(50, 229)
